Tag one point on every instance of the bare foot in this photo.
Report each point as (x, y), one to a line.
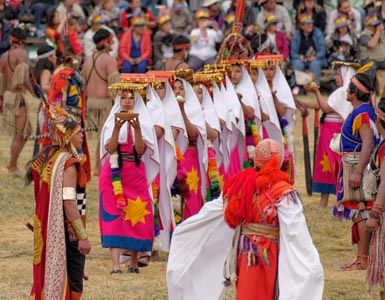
(13, 170)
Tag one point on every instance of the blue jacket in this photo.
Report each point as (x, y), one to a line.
(4, 40)
(318, 40)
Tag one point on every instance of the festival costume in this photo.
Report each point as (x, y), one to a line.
(58, 266)
(195, 157)
(126, 213)
(326, 161)
(351, 142)
(300, 274)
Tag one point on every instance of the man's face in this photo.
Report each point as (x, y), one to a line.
(135, 4)
(269, 5)
(344, 8)
(307, 28)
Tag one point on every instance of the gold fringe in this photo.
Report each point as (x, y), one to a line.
(19, 75)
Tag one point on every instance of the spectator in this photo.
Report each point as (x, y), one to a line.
(308, 48)
(203, 40)
(163, 48)
(98, 22)
(319, 14)
(136, 10)
(372, 42)
(39, 10)
(108, 10)
(277, 38)
(380, 12)
(351, 14)
(54, 30)
(4, 37)
(248, 15)
(135, 47)
(215, 11)
(180, 17)
(70, 8)
(181, 45)
(270, 6)
(342, 45)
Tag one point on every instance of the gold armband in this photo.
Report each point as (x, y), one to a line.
(69, 193)
(79, 229)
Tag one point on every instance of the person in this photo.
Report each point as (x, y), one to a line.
(215, 12)
(54, 31)
(99, 22)
(272, 251)
(39, 10)
(327, 162)
(18, 90)
(358, 134)
(195, 157)
(181, 45)
(135, 9)
(4, 37)
(125, 208)
(71, 9)
(60, 238)
(308, 49)
(180, 17)
(374, 223)
(100, 70)
(203, 40)
(163, 38)
(317, 11)
(271, 7)
(372, 42)
(343, 44)
(352, 14)
(135, 47)
(277, 38)
(248, 13)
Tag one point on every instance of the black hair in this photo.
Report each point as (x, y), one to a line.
(381, 106)
(100, 35)
(49, 16)
(180, 40)
(43, 63)
(257, 40)
(339, 3)
(367, 81)
(18, 33)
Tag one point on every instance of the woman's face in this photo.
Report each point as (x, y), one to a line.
(139, 29)
(269, 72)
(108, 5)
(56, 18)
(77, 140)
(199, 92)
(166, 27)
(179, 89)
(236, 75)
(343, 30)
(161, 90)
(254, 75)
(127, 100)
(338, 78)
(309, 4)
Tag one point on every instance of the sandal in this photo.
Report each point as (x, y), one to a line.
(361, 263)
(133, 270)
(116, 272)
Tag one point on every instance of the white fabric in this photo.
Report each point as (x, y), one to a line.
(195, 115)
(198, 251)
(300, 273)
(202, 243)
(223, 110)
(337, 100)
(204, 48)
(174, 117)
(151, 155)
(211, 117)
(249, 96)
(238, 126)
(168, 165)
(272, 125)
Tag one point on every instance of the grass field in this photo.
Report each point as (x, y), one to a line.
(331, 237)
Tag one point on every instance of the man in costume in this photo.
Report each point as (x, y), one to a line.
(99, 71)
(16, 90)
(272, 255)
(59, 180)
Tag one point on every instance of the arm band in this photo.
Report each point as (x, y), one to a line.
(79, 229)
(69, 193)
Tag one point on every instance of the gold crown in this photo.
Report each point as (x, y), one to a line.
(137, 78)
(257, 63)
(345, 63)
(271, 60)
(208, 77)
(224, 69)
(187, 74)
(141, 88)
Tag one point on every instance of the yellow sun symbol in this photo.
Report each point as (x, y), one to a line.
(221, 181)
(192, 180)
(135, 211)
(325, 164)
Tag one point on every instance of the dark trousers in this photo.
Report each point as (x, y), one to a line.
(75, 269)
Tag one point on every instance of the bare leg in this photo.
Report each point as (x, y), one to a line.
(134, 259)
(324, 200)
(18, 141)
(115, 255)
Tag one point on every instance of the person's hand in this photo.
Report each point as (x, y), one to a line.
(135, 123)
(250, 30)
(310, 58)
(214, 25)
(132, 61)
(119, 123)
(351, 15)
(84, 246)
(355, 180)
(310, 88)
(371, 224)
(303, 59)
(380, 28)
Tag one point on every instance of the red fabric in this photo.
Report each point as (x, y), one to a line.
(282, 44)
(125, 46)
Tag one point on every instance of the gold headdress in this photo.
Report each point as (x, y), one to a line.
(270, 60)
(345, 63)
(132, 82)
(187, 74)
